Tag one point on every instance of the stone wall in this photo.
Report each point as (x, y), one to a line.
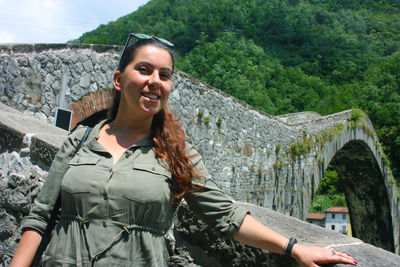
(37, 78)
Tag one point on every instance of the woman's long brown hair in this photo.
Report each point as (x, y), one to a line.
(169, 139)
(167, 134)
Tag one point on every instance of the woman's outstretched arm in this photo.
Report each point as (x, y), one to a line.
(255, 234)
(26, 249)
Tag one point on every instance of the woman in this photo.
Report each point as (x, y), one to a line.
(120, 191)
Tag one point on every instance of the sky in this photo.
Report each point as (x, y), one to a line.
(58, 21)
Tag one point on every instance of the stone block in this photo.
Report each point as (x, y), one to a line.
(12, 67)
(23, 48)
(50, 67)
(6, 226)
(16, 201)
(88, 66)
(9, 139)
(76, 46)
(76, 69)
(6, 48)
(43, 59)
(107, 48)
(84, 81)
(45, 47)
(23, 61)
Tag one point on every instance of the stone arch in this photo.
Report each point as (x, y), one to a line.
(366, 194)
(372, 202)
(91, 107)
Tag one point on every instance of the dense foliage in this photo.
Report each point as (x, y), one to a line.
(330, 192)
(285, 56)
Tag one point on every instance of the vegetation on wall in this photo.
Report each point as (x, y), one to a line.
(284, 56)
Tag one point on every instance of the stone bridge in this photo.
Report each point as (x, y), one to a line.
(274, 162)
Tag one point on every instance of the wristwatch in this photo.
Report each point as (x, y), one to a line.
(289, 247)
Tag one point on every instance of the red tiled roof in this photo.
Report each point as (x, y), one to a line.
(315, 216)
(338, 210)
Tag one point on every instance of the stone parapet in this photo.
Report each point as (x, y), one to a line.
(35, 138)
(206, 248)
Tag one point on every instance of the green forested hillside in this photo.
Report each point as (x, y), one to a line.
(285, 56)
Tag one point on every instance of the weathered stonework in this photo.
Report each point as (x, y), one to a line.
(275, 162)
(210, 250)
(37, 78)
(192, 242)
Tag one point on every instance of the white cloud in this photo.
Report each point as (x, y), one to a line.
(57, 21)
(6, 37)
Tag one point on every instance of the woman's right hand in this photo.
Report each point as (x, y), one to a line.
(316, 256)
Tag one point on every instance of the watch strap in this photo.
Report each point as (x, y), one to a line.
(289, 247)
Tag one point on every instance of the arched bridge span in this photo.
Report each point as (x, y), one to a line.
(366, 194)
(370, 190)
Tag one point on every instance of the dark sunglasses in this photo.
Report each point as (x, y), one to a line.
(142, 36)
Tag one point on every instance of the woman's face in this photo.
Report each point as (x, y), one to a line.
(146, 82)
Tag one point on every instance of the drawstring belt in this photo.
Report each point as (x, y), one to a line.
(125, 228)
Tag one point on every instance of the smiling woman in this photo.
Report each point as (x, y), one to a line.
(120, 191)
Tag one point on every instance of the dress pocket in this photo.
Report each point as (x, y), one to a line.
(145, 192)
(78, 161)
(148, 183)
(152, 168)
(80, 174)
(79, 186)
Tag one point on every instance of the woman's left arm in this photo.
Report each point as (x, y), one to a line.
(255, 234)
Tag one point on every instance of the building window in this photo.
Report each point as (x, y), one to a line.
(332, 227)
(344, 229)
(333, 215)
(344, 216)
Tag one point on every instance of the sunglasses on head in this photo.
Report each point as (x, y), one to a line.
(142, 36)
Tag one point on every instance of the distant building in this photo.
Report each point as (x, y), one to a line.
(336, 219)
(316, 218)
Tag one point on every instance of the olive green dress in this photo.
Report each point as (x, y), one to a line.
(118, 215)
